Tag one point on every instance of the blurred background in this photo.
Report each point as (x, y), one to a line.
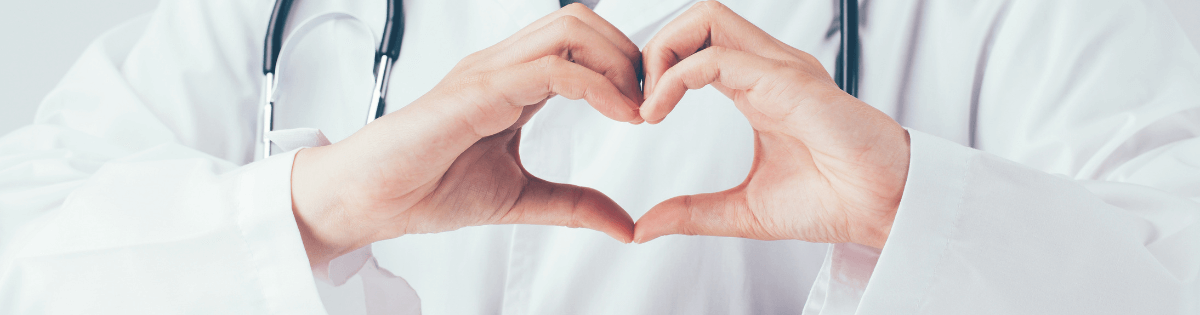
(42, 38)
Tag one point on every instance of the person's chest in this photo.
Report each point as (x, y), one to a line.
(705, 145)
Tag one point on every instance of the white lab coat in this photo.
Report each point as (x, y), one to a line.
(134, 193)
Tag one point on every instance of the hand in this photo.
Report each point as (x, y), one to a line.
(450, 159)
(827, 167)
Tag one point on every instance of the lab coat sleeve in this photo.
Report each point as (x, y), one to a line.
(1088, 202)
(102, 211)
(976, 232)
(129, 195)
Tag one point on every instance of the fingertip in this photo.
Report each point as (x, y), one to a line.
(608, 216)
(621, 109)
(627, 230)
(635, 111)
(625, 239)
(646, 112)
(659, 104)
(642, 237)
(654, 119)
(619, 231)
(656, 222)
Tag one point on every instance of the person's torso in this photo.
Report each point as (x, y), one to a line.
(705, 145)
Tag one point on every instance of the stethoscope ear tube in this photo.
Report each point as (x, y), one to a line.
(385, 57)
(274, 40)
(393, 31)
(850, 54)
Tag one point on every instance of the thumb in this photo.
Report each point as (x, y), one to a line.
(717, 214)
(547, 203)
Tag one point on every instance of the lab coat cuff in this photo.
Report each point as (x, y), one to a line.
(923, 227)
(272, 237)
(340, 269)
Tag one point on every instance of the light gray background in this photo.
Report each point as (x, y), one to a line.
(40, 39)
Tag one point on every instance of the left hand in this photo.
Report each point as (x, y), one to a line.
(827, 167)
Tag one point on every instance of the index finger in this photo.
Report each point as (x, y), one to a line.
(705, 24)
(597, 23)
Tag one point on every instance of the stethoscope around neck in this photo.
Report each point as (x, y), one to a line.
(389, 49)
(385, 58)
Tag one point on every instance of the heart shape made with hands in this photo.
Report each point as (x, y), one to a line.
(827, 167)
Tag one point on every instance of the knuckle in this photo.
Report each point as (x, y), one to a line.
(474, 57)
(479, 83)
(711, 6)
(568, 23)
(710, 54)
(805, 57)
(670, 74)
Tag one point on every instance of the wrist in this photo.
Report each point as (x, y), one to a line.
(875, 229)
(320, 215)
(874, 232)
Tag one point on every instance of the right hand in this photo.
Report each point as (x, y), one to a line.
(450, 159)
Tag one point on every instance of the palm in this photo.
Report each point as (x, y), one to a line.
(797, 192)
(484, 183)
(795, 189)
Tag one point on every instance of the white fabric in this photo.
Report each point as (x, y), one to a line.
(975, 242)
(1080, 196)
(380, 292)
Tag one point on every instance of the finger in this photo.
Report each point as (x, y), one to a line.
(478, 111)
(571, 38)
(705, 24)
(533, 81)
(587, 16)
(547, 203)
(732, 69)
(716, 214)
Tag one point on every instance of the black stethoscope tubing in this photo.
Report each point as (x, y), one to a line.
(385, 58)
(849, 57)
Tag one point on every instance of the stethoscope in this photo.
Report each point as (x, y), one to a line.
(846, 73)
(385, 57)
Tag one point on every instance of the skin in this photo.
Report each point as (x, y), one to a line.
(450, 159)
(827, 167)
